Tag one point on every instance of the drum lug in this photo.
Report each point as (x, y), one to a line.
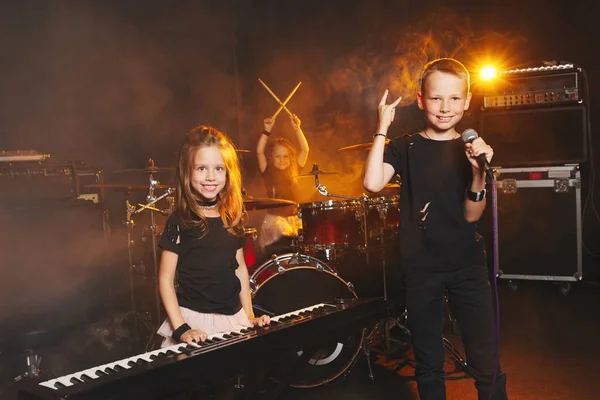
(280, 270)
(320, 267)
(350, 286)
(382, 210)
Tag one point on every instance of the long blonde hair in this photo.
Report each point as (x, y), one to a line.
(230, 200)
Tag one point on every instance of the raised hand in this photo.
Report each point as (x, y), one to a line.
(386, 112)
(268, 123)
(295, 121)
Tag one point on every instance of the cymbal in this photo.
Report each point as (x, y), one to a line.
(392, 186)
(317, 172)
(360, 147)
(124, 187)
(149, 169)
(253, 203)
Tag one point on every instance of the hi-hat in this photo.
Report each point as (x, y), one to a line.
(124, 187)
(392, 186)
(360, 147)
(253, 203)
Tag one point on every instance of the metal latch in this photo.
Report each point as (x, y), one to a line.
(509, 186)
(561, 185)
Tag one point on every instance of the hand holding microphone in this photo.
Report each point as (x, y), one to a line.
(479, 152)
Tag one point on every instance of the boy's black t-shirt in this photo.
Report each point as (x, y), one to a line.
(434, 234)
(206, 267)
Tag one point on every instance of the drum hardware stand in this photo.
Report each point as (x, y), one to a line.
(137, 317)
(151, 199)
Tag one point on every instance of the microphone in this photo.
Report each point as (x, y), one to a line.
(468, 136)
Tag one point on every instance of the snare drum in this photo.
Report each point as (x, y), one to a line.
(383, 220)
(294, 281)
(331, 226)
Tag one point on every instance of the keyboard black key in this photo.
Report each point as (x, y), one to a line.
(59, 385)
(75, 380)
(110, 370)
(85, 377)
(101, 373)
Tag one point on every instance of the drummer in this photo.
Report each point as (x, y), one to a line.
(279, 163)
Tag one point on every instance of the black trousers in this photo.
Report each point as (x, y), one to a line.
(470, 297)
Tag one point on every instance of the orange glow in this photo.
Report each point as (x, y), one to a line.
(488, 73)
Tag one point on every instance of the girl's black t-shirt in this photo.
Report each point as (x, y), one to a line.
(206, 277)
(434, 233)
(279, 185)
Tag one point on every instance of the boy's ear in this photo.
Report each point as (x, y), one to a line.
(468, 101)
(420, 101)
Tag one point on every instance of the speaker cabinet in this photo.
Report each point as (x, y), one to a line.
(537, 137)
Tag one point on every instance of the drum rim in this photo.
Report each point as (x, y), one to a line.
(255, 287)
(329, 204)
(384, 199)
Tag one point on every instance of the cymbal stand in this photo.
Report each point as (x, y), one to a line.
(390, 343)
(150, 198)
(130, 224)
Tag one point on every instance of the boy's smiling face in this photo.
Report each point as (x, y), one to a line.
(444, 100)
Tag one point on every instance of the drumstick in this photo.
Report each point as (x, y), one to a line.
(282, 105)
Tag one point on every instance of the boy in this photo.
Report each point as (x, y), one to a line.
(442, 196)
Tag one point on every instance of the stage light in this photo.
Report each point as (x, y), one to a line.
(488, 73)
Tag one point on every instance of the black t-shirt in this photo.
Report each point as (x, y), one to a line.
(434, 233)
(279, 185)
(205, 267)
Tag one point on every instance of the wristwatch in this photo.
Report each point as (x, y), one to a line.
(476, 196)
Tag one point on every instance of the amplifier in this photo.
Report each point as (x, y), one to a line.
(28, 182)
(537, 137)
(534, 87)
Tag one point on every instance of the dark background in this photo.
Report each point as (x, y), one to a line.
(113, 83)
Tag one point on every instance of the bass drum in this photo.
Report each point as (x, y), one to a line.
(294, 281)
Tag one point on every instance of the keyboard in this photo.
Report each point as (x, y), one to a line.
(165, 371)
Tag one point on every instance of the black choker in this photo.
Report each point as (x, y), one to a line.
(207, 203)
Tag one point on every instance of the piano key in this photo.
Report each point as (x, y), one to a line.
(85, 377)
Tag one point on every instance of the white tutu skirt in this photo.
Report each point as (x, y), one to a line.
(207, 322)
(275, 227)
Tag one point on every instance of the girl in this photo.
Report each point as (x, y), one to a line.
(203, 242)
(279, 164)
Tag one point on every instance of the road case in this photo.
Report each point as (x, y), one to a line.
(539, 223)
